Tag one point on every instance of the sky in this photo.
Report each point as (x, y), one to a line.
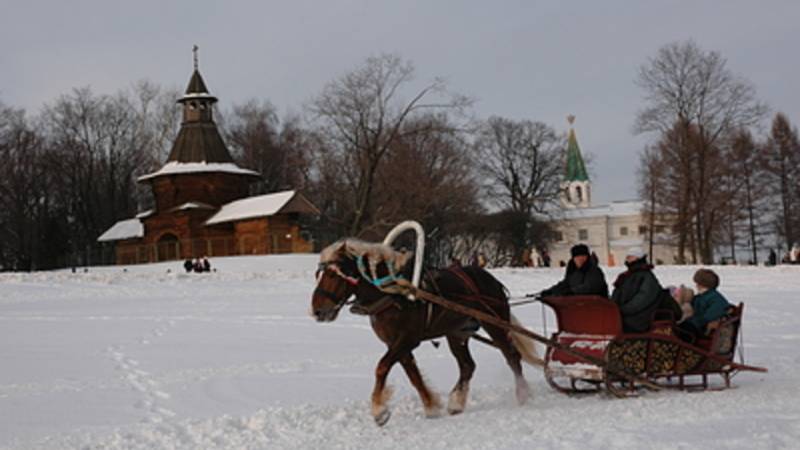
(534, 60)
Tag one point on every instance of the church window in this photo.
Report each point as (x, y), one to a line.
(579, 193)
(583, 234)
(623, 231)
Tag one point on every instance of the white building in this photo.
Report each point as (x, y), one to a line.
(609, 230)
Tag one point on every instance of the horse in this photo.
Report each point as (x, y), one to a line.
(402, 324)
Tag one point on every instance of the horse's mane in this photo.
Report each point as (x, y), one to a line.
(358, 248)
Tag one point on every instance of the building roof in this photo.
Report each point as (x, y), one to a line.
(177, 168)
(613, 209)
(124, 229)
(263, 206)
(196, 89)
(198, 141)
(576, 169)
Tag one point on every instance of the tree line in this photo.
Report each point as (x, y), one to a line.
(372, 148)
(376, 146)
(709, 172)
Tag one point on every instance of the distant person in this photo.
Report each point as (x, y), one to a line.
(188, 265)
(637, 292)
(197, 266)
(545, 258)
(583, 276)
(473, 260)
(794, 255)
(206, 265)
(709, 305)
(482, 262)
(772, 259)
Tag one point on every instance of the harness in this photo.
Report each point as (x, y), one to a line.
(381, 281)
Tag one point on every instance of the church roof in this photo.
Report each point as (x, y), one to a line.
(199, 146)
(199, 142)
(124, 229)
(196, 84)
(178, 168)
(576, 169)
(196, 89)
(263, 206)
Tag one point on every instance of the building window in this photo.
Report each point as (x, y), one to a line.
(623, 231)
(642, 230)
(559, 236)
(579, 193)
(583, 234)
(660, 228)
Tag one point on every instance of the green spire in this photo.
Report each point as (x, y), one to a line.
(576, 169)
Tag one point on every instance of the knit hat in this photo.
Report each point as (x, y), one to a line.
(636, 252)
(580, 249)
(706, 278)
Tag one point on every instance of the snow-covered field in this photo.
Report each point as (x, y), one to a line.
(142, 358)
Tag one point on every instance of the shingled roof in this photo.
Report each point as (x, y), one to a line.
(199, 140)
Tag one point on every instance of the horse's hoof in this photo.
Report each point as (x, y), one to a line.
(383, 417)
(454, 411)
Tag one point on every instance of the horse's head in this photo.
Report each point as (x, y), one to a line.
(337, 279)
(339, 274)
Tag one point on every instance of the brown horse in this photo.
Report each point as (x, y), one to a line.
(402, 324)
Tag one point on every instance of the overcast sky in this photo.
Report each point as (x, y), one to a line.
(520, 59)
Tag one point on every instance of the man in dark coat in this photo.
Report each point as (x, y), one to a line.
(583, 276)
(637, 292)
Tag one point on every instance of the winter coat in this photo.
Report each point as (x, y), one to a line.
(708, 307)
(588, 280)
(637, 292)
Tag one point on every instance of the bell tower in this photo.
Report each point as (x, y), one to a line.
(576, 187)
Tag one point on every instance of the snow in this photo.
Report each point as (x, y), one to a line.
(252, 207)
(176, 168)
(192, 205)
(124, 229)
(146, 356)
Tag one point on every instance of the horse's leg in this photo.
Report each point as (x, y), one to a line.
(429, 399)
(466, 365)
(503, 341)
(380, 393)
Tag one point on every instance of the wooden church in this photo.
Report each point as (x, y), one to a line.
(202, 202)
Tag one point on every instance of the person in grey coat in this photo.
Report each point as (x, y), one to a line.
(637, 292)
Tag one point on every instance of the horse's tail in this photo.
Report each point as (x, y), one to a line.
(525, 346)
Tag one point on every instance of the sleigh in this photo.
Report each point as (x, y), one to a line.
(590, 329)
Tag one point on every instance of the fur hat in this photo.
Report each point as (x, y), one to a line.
(578, 250)
(636, 252)
(706, 278)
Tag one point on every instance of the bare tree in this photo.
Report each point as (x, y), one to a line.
(651, 180)
(259, 141)
(362, 114)
(781, 159)
(522, 163)
(692, 90)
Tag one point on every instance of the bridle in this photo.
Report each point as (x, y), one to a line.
(336, 269)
